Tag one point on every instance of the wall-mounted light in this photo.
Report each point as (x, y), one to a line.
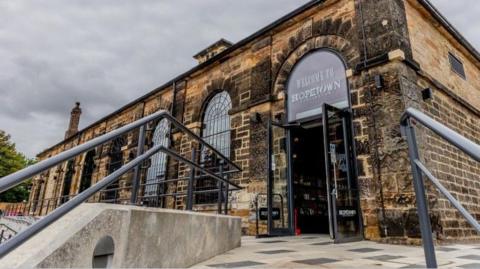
(427, 94)
(379, 84)
(255, 117)
(279, 117)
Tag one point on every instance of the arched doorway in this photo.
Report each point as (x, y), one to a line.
(320, 181)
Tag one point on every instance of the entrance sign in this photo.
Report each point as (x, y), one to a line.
(263, 213)
(318, 78)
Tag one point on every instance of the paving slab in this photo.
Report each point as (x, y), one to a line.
(318, 251)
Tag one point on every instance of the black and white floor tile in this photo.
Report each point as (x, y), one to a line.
(318, 251)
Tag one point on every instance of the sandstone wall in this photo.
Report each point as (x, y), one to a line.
(390, 38)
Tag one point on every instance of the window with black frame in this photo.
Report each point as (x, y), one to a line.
(87, 172)
(216, 132)
(67, 181)
(158, 165)
(116, 162)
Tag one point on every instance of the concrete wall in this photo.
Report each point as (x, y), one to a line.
(143, 237)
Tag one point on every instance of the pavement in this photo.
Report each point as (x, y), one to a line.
(318, 251)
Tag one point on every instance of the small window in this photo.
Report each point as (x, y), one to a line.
(456, 65)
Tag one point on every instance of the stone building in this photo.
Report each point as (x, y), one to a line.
(260, 102)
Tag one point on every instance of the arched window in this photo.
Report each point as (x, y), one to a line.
(116, 161)
(67, 180)
(216, 123)
(158, 162)
(216, 132)
(87, 172)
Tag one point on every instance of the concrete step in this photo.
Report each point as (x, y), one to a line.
(127, 236)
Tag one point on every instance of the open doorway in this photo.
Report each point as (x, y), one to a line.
(309, 183)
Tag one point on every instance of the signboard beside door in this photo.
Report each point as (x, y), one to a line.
(341, 181)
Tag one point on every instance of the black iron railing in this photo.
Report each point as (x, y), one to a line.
(6, 232)
(54, 208)
(408, 119)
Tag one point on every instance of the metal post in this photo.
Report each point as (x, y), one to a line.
(29, 207)
(422, 207)
(227, 189)
(269, 178)
(220, 189)
(191, 182)
(48, 206)
(41, 207)
(256, 214)
(136, 171)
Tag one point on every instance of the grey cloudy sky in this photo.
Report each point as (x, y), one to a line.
(106, 53)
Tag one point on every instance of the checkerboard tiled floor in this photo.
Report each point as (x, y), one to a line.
(319, 252)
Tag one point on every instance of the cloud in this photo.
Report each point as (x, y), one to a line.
(104, 54)
(107, 53)
(463, 14)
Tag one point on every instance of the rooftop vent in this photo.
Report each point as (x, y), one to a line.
(212, 50)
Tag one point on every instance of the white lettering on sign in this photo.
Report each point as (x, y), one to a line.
(333, 154)
(317, 92)
(347, 212)
(315, 78)
(318, 78)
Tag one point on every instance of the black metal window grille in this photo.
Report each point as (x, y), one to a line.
(457, 65)
(88, 168)
(216, 132)
(116, 161)
(158, 162)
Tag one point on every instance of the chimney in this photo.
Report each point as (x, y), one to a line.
(212, 50)
(74, 121)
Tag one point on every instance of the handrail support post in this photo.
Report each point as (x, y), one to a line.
(136, 171)
(227, 190)
(422, 206)
(191, 182)
(220, 189)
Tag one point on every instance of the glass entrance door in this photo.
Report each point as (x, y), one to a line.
(343, 199)
(278, 188)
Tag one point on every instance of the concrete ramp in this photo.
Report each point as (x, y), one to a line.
(127, 236)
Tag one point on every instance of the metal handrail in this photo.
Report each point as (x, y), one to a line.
(8, 228)
(410, 116)
(16, 178)
(85, 195)
(449, 196)
(22, 175)
(466, 145)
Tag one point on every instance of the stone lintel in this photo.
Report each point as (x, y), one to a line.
(194, 125)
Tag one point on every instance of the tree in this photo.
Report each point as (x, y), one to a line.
(11, 161)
